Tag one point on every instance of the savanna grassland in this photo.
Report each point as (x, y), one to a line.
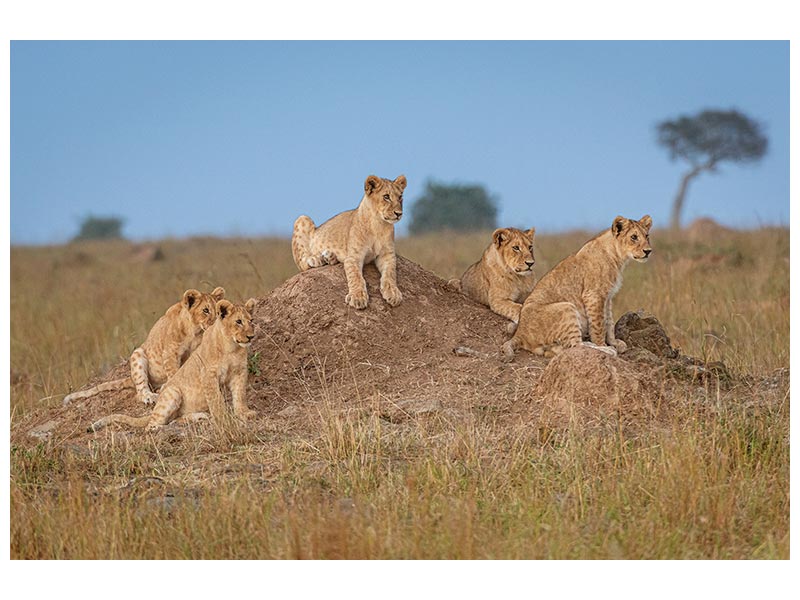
(333, 482)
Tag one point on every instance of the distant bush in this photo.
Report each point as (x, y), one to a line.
(100, 228)
(458, 207)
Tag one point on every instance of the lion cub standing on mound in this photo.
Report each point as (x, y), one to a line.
(220, 361)
(574, 298)
(357, 237)
(503, 277)
(170, 342)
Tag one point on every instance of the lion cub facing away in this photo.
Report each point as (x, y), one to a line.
(573, 300)
(170, 342)
(220, 361)
(503, 277)
(357, 237)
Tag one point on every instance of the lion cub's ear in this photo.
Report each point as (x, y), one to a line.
(531, 232)
(224, 308)
(646, 222)
(218, 293)
(499, 236)
(401, 181)
(190, 298)
(371, 183)
(618, 225)
(250, 305)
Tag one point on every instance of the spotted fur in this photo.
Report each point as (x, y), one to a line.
(503, 277)
(170, 342)
(357, 237)
(572, 302)
(220, 362)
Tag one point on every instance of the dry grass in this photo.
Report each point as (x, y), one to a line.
(710, 483)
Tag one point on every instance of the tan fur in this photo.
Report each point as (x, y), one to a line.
(170, 342)
(573, 301)
(357, 237)
(503, 277)
(220, 362)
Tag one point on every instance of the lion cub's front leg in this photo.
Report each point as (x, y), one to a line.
(356, 284)
(609, 324)
(238, 387)
(168, 404)
(387, 265)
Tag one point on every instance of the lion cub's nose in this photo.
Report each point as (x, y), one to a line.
(250, 337)
(647, 252)
(530, 263)
(398, 214)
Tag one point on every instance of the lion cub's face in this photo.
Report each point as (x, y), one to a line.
(516, 248)
(386, 196)
(633, 236)
(237, 321)
(202, 307)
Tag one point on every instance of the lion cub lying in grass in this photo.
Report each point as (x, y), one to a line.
(220, 361)
(170, 342)
(357, 237)
(503, 277)
(573, 300)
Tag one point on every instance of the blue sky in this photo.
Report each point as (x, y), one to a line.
(238, 138)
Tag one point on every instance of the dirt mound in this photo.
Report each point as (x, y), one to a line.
(306, 325)
(435, 356)
(591, 386)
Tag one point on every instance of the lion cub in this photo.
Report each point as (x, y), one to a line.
(503, 277)
(170, 342)
(573, 300)
(219, 362)
(357, 237)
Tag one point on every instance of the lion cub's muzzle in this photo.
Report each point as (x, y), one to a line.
(528, 268)
(245, 343)
(393, 218)
(645, 257)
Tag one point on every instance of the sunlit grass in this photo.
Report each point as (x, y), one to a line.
(704, 485)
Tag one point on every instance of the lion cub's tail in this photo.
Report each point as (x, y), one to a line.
(132, 421)
(109, 386)
(301, 241)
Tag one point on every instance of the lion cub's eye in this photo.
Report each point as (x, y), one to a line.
(634, 238)
(515, 248)
(205, 310)
(400, 199)
(238, 321)
(386, 197)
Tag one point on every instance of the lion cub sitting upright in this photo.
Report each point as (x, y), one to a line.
(573, 300)
(357, 237)
(170, 342)
(219, 362)
(503, 277)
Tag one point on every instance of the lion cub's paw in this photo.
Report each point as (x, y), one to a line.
(511, 328)
(149, 398)
(392, 295)
(619, 345)
(329, 257)
(357, 300)
(314, 261)
(247, 415)
(611, 351)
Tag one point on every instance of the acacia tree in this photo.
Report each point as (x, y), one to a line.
(705, 140)
(457, 207)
